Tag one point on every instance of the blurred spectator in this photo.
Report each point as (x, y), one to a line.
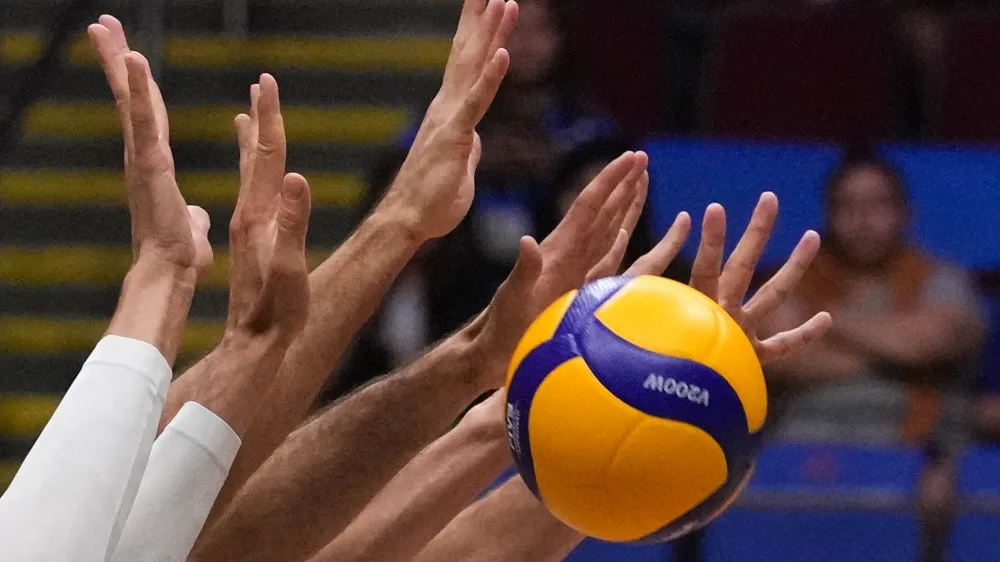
(899, 360)
(906, 328)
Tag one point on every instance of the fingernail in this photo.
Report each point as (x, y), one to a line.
(293, 192)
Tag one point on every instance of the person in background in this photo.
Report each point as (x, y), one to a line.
(898, 363)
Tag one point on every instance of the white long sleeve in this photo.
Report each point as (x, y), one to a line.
(77, 484)
(187, 467)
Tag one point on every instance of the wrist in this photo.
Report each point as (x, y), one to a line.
(399, 219)
(154, 305)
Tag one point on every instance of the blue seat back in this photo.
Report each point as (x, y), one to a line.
(974, 534)
(822, 502)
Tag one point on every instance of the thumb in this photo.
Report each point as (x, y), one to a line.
(528, 266)
(199, 218)
(513, 298)
(293, 216)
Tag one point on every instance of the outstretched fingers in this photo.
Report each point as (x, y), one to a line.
(792, 341)
(271, 146)
(507, 23)
(611, 261)
(638, 203)
(478, 99)
(770, 296)
(656, 261)
(587, 206)
(708, 262)
(142, 115)
(742, 263)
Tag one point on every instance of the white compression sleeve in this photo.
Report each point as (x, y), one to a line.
(78, 482)
(187, 467)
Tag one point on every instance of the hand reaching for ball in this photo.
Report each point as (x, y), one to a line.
(728, 285)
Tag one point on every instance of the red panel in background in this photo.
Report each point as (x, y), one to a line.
(970, 102)
(619, 49)
(809, 75)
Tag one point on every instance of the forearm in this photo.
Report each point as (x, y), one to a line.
(510, 524)
(231, 381)
(821, 362)
(311, 488)
(344, 292)
(82, 475)
(912, 340)
(187, 467)
(422, 498)
(154, 306)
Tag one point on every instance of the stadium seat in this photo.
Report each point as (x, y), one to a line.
(687, 174)
(800, 75)
(974, 535)
(819, 502)
(967, 110)
(619, 48)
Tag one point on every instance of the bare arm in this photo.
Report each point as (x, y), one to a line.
(327, 471)
(429, 197)
(429, 492)
(826, 360)
(508, 524)
(914, 339)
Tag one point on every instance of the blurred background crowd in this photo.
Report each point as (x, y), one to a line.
(876, 122)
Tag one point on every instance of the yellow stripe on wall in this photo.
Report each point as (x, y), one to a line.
(356, 124)
(53, 186)
(7, 472)
(93, 265)
(25, 414)
(428, 53)
(21, 334)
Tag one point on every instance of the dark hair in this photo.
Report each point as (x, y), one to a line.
(849, 165)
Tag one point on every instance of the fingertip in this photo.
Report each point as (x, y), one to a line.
(106, 19)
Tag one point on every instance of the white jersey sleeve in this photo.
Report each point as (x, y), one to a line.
(187, 467)
(77, 484)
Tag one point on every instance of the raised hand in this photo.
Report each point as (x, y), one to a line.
(728, 285)
(435, 186)
(269, 284)
(164, 228)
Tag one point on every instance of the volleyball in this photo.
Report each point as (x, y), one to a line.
(634, 408)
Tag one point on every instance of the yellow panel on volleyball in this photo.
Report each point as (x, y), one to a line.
(704, 334)
(609, 470)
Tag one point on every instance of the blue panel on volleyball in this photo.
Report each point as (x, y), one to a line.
(592, 550)
(688, 174)
(974, 534)
(830, 503)
(954, 190)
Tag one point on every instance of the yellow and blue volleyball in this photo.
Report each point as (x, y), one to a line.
(634, 409)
